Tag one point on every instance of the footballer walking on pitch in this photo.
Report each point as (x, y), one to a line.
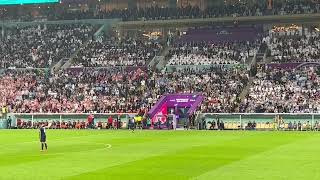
(43, 137)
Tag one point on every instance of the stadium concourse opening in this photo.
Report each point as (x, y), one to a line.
(174, 109)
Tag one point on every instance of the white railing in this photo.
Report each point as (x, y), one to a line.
(263, 120)
(35, 117)
(231, 120)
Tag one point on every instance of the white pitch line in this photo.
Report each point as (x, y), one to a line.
(108, 146)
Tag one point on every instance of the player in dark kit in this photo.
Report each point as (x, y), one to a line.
(43, 137)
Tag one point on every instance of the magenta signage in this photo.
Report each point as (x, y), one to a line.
(190, 100)
(291, 65)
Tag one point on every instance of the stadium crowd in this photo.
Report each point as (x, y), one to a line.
(160, 13)
(111, 52)
(111, 89)
(72, 91)
(220, 86)
(204, 53)
(41, 46)
(294, 46)
(241, 8)
(284, 91)
(115, 91)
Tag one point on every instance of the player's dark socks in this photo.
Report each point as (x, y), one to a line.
(42, 146)
(46, 145)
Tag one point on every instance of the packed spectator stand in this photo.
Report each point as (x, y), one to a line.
(208, 53)
(97, 81)
(296, 45)
(72, 91)
(115, 91)
(224, 10)
(109, 90)
(41, 46)
(106, 52)
(159, 12)
(284, 91)
(222, 88)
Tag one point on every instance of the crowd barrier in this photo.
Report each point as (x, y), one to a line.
(232, 121)
(65, 117)
(263, 121)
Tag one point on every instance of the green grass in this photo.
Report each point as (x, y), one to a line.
(154, 155)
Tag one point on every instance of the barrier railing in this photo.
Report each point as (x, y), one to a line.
(65, 117)
(263, 121)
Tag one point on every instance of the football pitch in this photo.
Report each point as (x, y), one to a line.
(103, 154)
